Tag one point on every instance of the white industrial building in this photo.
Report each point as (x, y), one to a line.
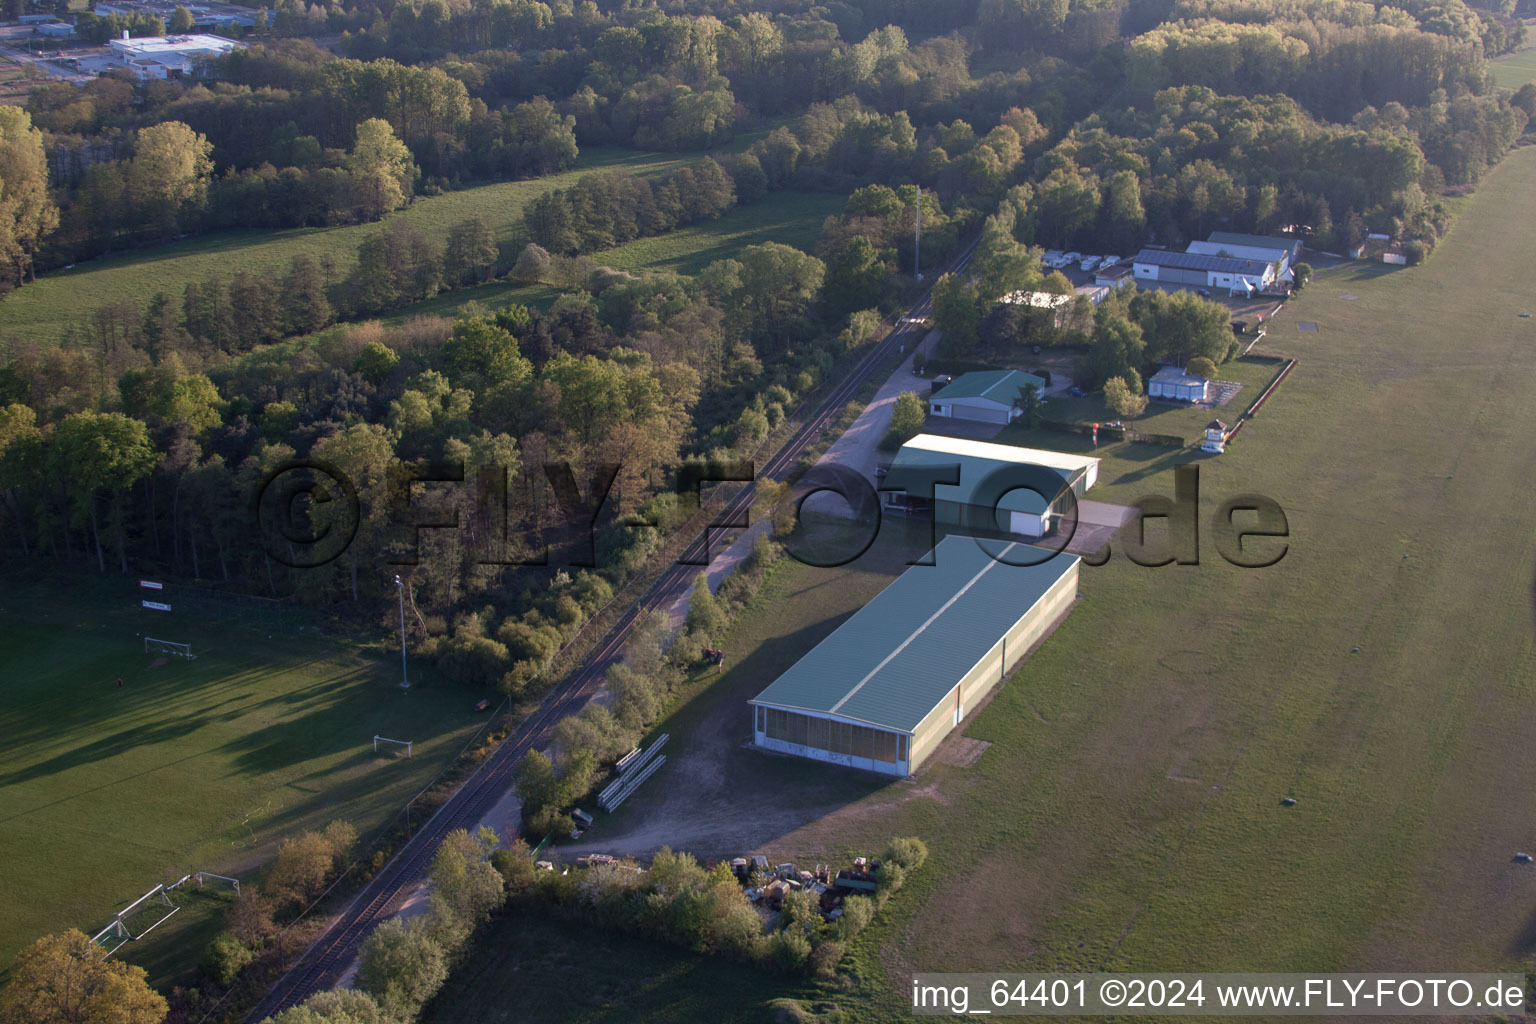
(883, 690)
(1232, 275)
(168, 56)
(999, 488)
(1283, 252)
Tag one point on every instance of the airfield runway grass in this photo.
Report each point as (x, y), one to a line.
(1515, 69)
(1128, 813)
(106, 791)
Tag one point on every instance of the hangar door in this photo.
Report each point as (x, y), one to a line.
(1026, 524)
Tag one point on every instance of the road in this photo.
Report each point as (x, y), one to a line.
(322, 965)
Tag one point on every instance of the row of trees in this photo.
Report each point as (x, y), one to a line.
(603, 210)
(680, 902)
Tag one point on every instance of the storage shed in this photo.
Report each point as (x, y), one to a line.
(1174, 384)
(986, 396)
(999, 488)
(884, 689)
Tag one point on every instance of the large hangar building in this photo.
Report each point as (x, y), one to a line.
(884, 689)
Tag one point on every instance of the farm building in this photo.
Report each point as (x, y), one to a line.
(987, 396)
(889, 684)
(1000, 487)
(1236, 276)
(1174, 384)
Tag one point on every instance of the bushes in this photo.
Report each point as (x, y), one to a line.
(1119, 396)
(1201, 367)
(304, 864)
(906, 421)
(790, 951)
(225, 957)
(911, 853)
(402, 966)
(342, 1006)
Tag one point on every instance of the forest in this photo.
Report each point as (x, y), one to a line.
(1102, 125)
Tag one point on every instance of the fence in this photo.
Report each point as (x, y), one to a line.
(1115, 433)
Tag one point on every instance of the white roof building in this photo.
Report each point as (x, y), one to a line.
(168, 56)
(1173, 383)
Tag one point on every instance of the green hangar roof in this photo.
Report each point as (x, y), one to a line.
(996, 385)
(903, 652)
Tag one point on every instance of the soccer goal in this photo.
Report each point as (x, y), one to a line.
(138, 919)
(153, 646)
(399, 743)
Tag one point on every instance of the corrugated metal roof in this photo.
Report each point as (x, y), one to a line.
(898, 656)
(1290, 245)
(1196, 261)
(1064, 461)
(995, 385)
(1174, 375)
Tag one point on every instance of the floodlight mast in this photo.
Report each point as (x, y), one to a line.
(405, 678)
(917, 242)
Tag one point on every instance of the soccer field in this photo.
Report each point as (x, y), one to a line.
(190, 765)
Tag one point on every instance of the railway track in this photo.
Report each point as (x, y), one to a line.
(322, 965)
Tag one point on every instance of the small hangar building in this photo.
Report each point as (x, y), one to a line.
(986, 396)
(1174, 384)
(1002, 488)
(890, 683)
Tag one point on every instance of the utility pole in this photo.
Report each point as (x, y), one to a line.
(917, 245)
(405, 679)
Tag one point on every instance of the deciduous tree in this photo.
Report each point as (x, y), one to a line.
(68, 979)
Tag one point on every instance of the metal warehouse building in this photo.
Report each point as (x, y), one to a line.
(1188, 268)
(988, 396)
(889, 684)
(1002, 487)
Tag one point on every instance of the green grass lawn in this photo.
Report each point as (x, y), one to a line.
(200, 765)
(1253, 372)
(1127, 815)
(1515, 69)
(37, 311)
(789, 218)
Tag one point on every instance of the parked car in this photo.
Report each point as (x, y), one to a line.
(1077, 392)
(1239, 326)
(1204, 293)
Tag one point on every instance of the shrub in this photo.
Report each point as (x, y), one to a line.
(342, 1006)
(825, 958)
(891, 878)
(401, 966)
(790, 950)
(224, 959)
(911, 853)
(1201, 367)
(1119, 396)
(515, 862)
(858, 911)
